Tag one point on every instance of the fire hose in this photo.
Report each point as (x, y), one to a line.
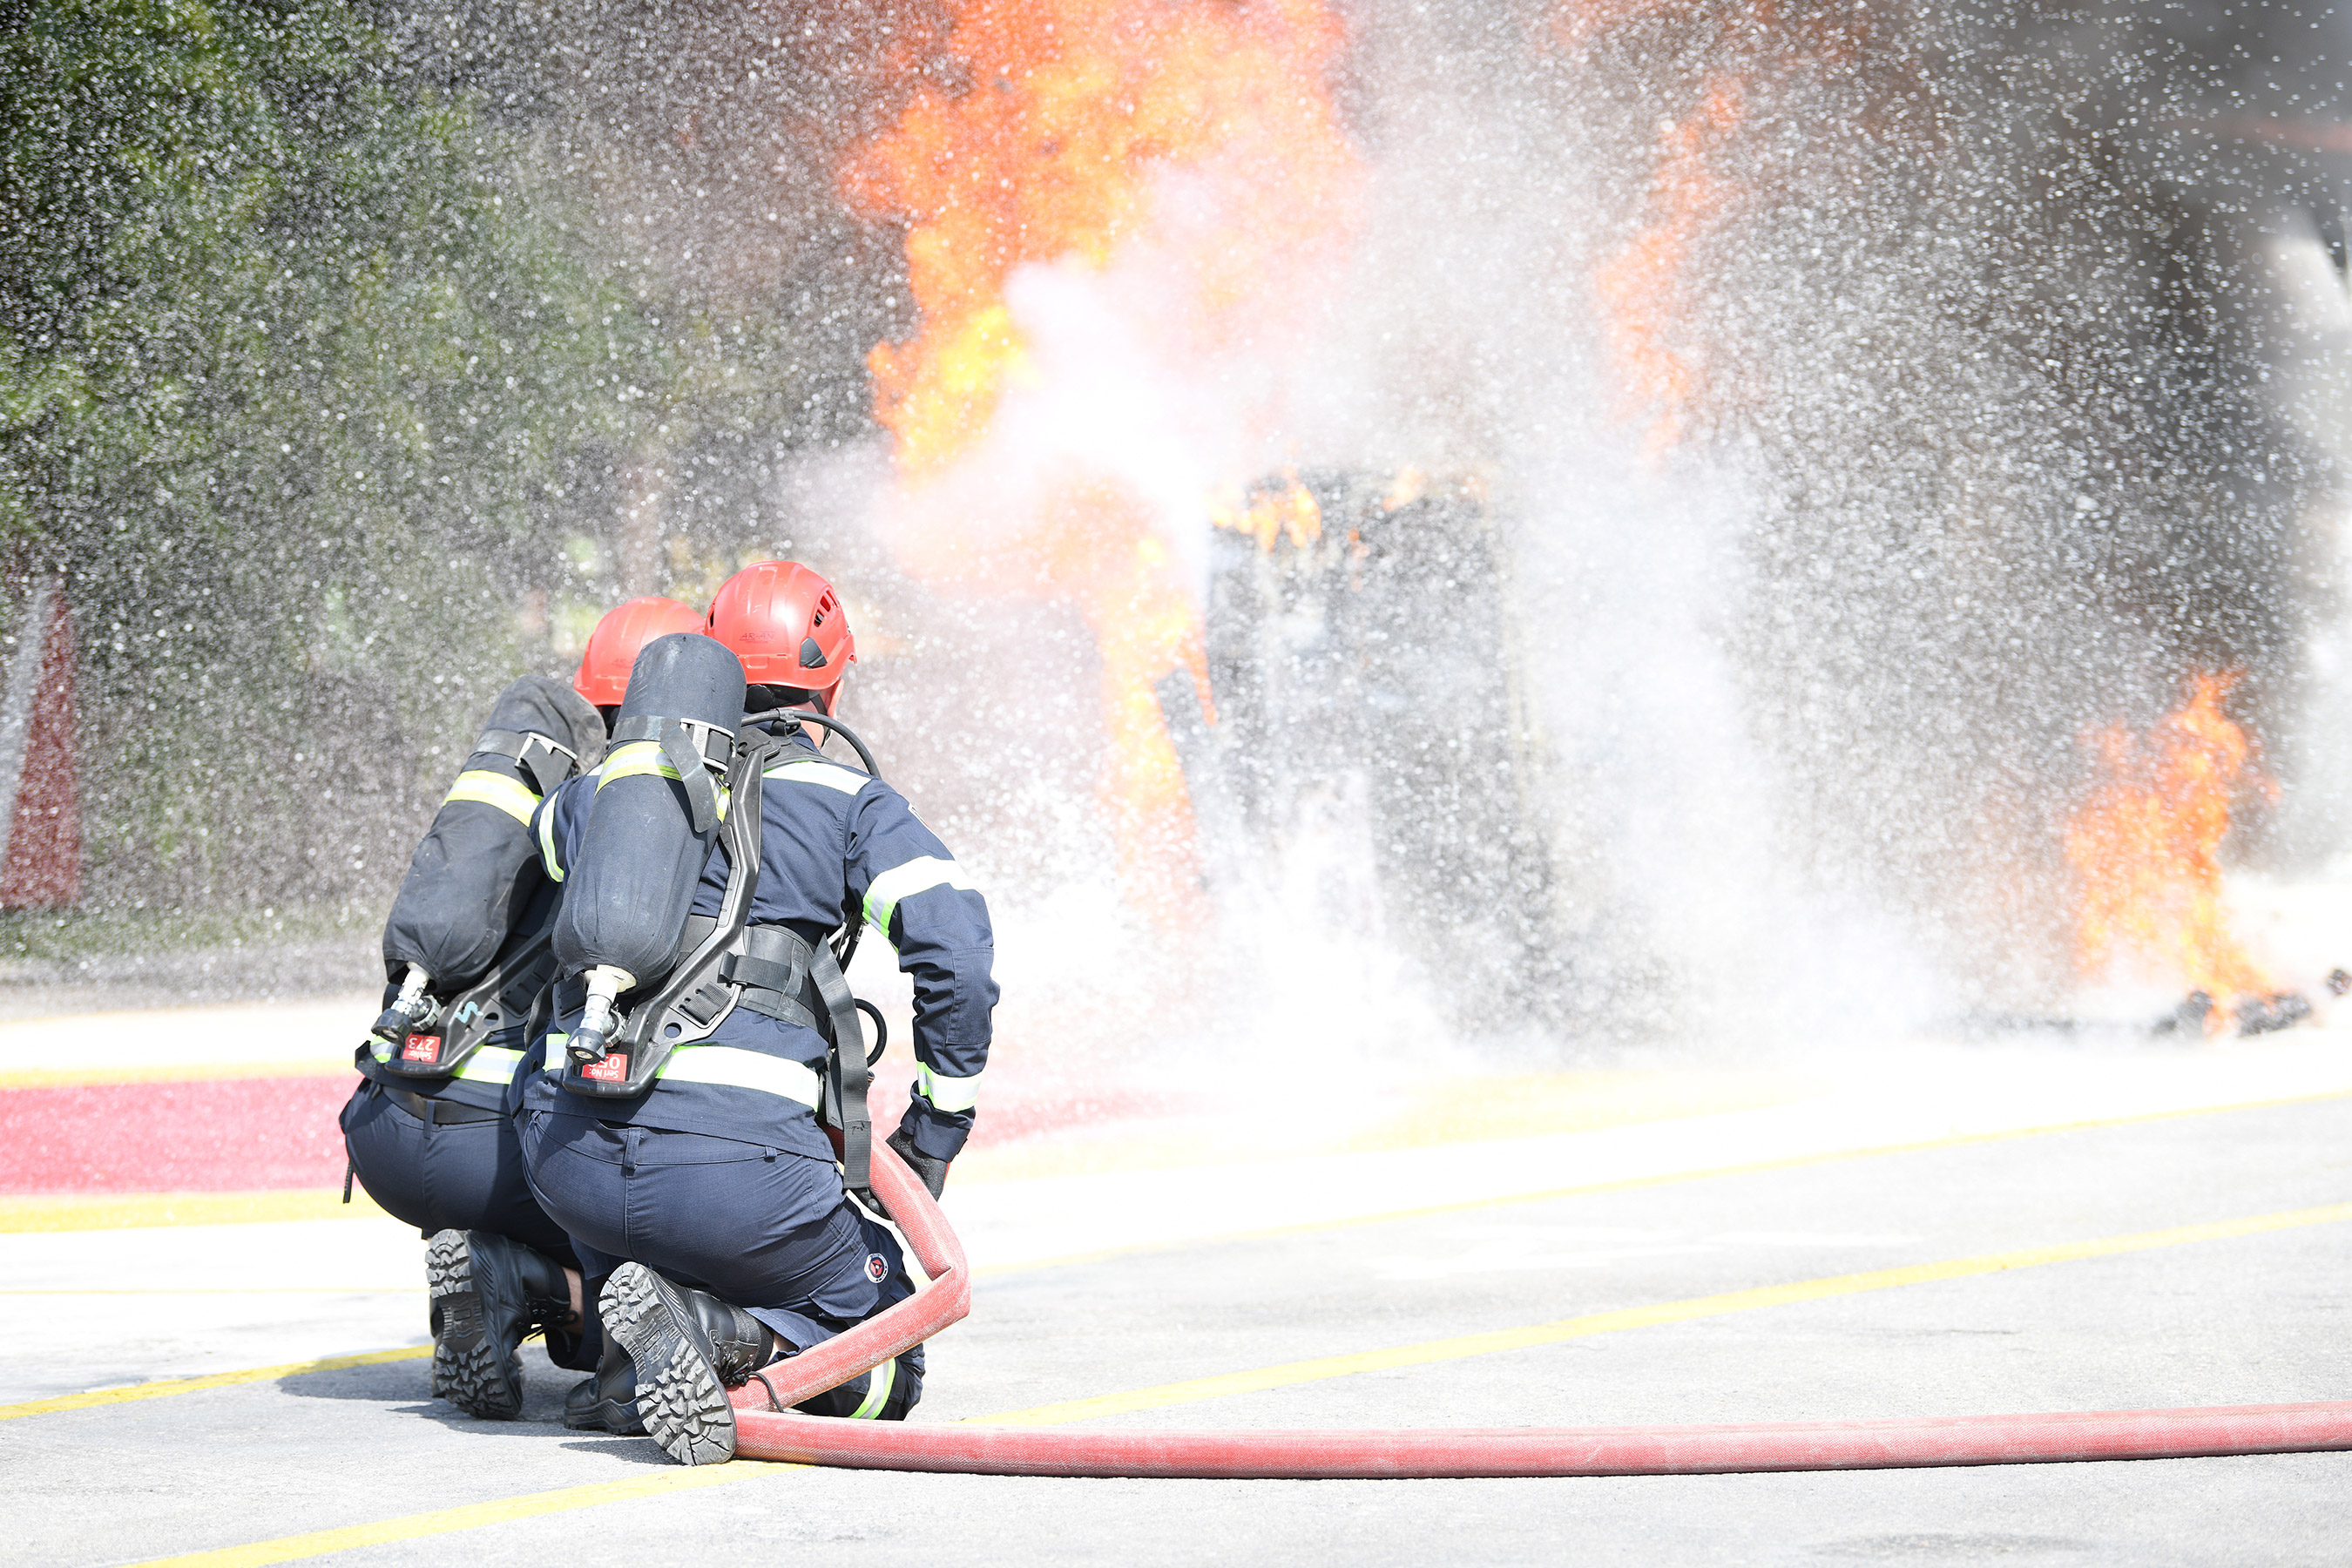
(766, 1428)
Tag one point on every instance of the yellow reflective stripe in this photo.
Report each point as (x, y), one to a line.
(729, 1067)
(832, 775)
(553, 1060)
(380, 1049)
(495, 1064)
(947, 1093)
(639, 758)
(878, 1391)
(900, 883)
(494, 789)
(547, 844)
(628, 761)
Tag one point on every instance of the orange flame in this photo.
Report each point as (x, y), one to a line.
(1069, 112)
(1640, 291)
(1078, 132)
(1270, 512)
(2146, 845)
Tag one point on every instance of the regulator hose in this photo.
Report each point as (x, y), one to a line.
(808, 716)
(766, 1428)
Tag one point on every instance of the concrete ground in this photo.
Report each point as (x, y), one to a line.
(1120, 1260)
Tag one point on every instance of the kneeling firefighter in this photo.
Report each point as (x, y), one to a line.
(429, 1133)
(672, 1122)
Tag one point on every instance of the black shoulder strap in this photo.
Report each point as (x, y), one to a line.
(547, 762)
(846, 1073)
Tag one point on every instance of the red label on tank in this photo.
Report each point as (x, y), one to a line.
(421, 1048)
(612, 1070)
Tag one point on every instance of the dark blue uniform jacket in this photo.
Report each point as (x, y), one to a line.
(835, 845)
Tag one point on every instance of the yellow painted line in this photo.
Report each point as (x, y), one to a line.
(126, 1211)
(531, 1505)
(1630, 1183)
(189, 1072)
(472, 1516)
(1464, 1345)
(164, 1387)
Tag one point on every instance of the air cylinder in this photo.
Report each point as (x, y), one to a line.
(655, 818)
(477, 868)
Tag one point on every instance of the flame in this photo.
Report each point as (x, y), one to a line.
(1270, 512)
(1640, 291)
(1080, 133)
(1408, 487)
(1050, 150)
(2145, 848)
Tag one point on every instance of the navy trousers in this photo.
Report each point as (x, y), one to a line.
(764, 1229)
(465, 1175)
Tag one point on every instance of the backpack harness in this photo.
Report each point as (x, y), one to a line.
(729, 963)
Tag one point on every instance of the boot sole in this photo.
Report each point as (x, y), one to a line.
(468, 1369)
(680, 1397)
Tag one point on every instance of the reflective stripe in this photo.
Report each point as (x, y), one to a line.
(832, 775)
(729, 1067)
(380, 1049)
(900, 883)
(878, 1391)
(725, 1067)
(547, 843)
(639, 758)
(947, 1093)
(628, 761)
(497, 1064)
(494, 789)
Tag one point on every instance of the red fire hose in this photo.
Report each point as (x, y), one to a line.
(766, 1432)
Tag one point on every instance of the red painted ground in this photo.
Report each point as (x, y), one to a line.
(218, 1135)
(267, 1133)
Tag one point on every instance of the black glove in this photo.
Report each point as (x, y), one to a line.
(933, 1172)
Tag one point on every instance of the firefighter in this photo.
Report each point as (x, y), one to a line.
(428, 1132)
(708, 1186)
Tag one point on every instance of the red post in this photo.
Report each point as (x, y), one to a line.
(42, 869)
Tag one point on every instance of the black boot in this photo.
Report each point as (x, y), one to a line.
(689, 1348)
(488, 1295)
(608, 1401)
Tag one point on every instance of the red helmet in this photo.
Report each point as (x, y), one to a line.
(787, 625)
(613, 646)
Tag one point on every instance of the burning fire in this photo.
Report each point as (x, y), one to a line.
(1271, 512)
(1640, 291)
(1069, 117)
(2145, 848)
(1197, 135)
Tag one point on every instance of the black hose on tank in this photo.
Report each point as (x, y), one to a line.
(803, 716)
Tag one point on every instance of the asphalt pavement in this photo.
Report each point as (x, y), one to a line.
(260, 1388)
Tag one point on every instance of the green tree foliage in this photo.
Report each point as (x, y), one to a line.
(297, 355)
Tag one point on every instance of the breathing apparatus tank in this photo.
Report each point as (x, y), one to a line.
(650, 830)
(475, 873)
